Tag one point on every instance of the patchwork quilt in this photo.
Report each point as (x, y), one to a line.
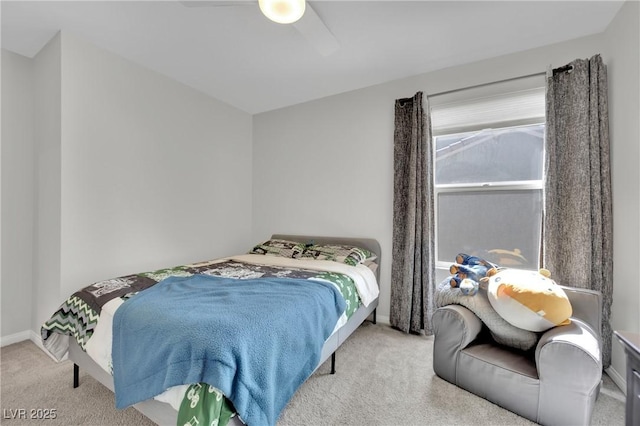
(87, 316)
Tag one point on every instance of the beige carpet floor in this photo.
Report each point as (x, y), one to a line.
(383, 377)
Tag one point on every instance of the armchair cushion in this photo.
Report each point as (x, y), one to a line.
(501, 331)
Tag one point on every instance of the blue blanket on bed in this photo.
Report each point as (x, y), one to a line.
(256, 340)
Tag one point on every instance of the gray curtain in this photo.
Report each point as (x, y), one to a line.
(578, 230)
(413, 258)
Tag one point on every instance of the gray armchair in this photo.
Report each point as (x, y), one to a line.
(557, 384)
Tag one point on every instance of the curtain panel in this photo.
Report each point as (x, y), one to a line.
(413, 257)
(578, 228)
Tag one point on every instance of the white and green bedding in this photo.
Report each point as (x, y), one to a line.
(88, 314)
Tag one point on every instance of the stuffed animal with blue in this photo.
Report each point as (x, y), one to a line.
(467, 272)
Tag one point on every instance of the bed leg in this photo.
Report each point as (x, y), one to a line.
(76, 375)
(374, 315)
(333, 363)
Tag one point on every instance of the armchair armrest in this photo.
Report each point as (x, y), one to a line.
(587, 306)
(454, 328)
(569, 364)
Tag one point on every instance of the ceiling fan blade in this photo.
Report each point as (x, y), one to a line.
(316, 32)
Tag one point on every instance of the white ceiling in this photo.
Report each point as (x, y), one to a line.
(236, 55)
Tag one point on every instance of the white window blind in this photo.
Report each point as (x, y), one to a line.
(498, 105)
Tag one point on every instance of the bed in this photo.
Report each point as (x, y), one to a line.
(86, 329)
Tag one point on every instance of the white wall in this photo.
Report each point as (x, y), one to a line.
(622, 55)
(47, 131)
(334, 156)
(134, 172)
(18, 201)
(154, 174)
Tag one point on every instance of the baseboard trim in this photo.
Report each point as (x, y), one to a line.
(617, 378)
(383, 319)
(15, 338)
(27, 335)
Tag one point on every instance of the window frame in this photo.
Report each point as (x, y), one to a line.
(479, 187)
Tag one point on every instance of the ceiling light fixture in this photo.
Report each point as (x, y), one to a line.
(282, 11)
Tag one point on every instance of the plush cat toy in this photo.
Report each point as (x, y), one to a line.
(468, 271)
(530, 300)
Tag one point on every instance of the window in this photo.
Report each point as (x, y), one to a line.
(489, 155)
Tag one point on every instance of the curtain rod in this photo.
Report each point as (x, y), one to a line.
(403, 101)
(447, 92)
(566, 68)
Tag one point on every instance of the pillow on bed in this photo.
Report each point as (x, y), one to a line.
(281, 248)
(501, 331)
(371, 264)
(348, 254)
